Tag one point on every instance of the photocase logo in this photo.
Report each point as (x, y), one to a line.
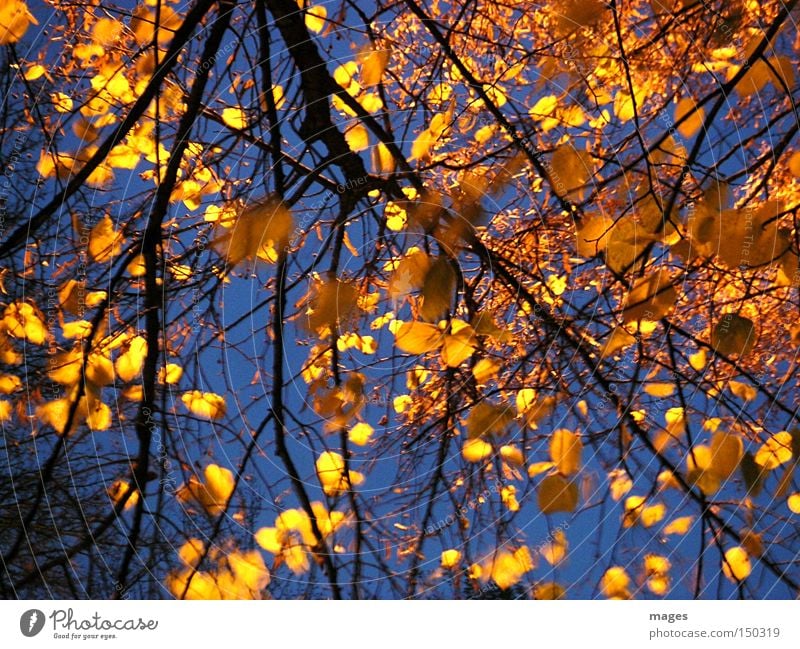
(31, 622)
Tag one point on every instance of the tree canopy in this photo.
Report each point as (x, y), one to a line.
(416, 299)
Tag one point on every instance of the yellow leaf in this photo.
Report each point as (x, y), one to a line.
(775, 451)
(508, 496)
(507, 569)
(213, 493)
(373, 64)
(261, 231)
(619, 339)
(106, 31)
(418, 337)
(450, 559)
(331, 303)
(15, 17)
(525, 399)
(98, 415)
(736, 564)
(333, 476)
(727, 451)
(360, 434)
(22, 320)
(533, 407)
(382, 159)
(699, 469)
(9, 383)
(693, 122)
(548, 591)
(619, 483)
(143, 24)
(660, 390)
(65, 367)
(99, 369)
(315, 18)
(794, 164)
(123, 156)
(637, 511)
(5, 410)
(650, 298)
(476, 450)
(401, 403)
(357, 137)
(592, 235)
(698, 360)
(129, 364)
(120, 488)
(485, 369)
(438, 290)
(104, 241)
(205, 404)
(170, 374)
(555, 551)
(556, 494)
(566, 449)
(512, 455)
(345, 74)
(459, 344)
(249, 571)
(615, 583)
(743, 390)
(571, 169)
(55, 414)
(235, 118)
(61, 102)
(34, 71)
(487, 419)
(543, 109)
(656, 569)
(679, 526)
(422, 145)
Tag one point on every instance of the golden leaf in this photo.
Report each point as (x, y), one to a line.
(438, 289)
(129, 364)
(679, 526)
(104, 241)
(727, 450)
(450, 559)
(476, 450)
(418, 337)
(566, 449)
(557, 494)
(650, 298)
(736, 564)
(207, 405)
(615, 583)
(22, 320)
(695, 116)
(775, 451)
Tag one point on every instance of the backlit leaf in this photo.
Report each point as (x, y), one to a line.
(105, 242)
(736, 564)
(207, 405)
(557, 494)
(775, 451)
(615, 583)
(727, 450)
(566, 449)
(418, 337)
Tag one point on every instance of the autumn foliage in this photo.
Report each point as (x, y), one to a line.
(425, 299)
